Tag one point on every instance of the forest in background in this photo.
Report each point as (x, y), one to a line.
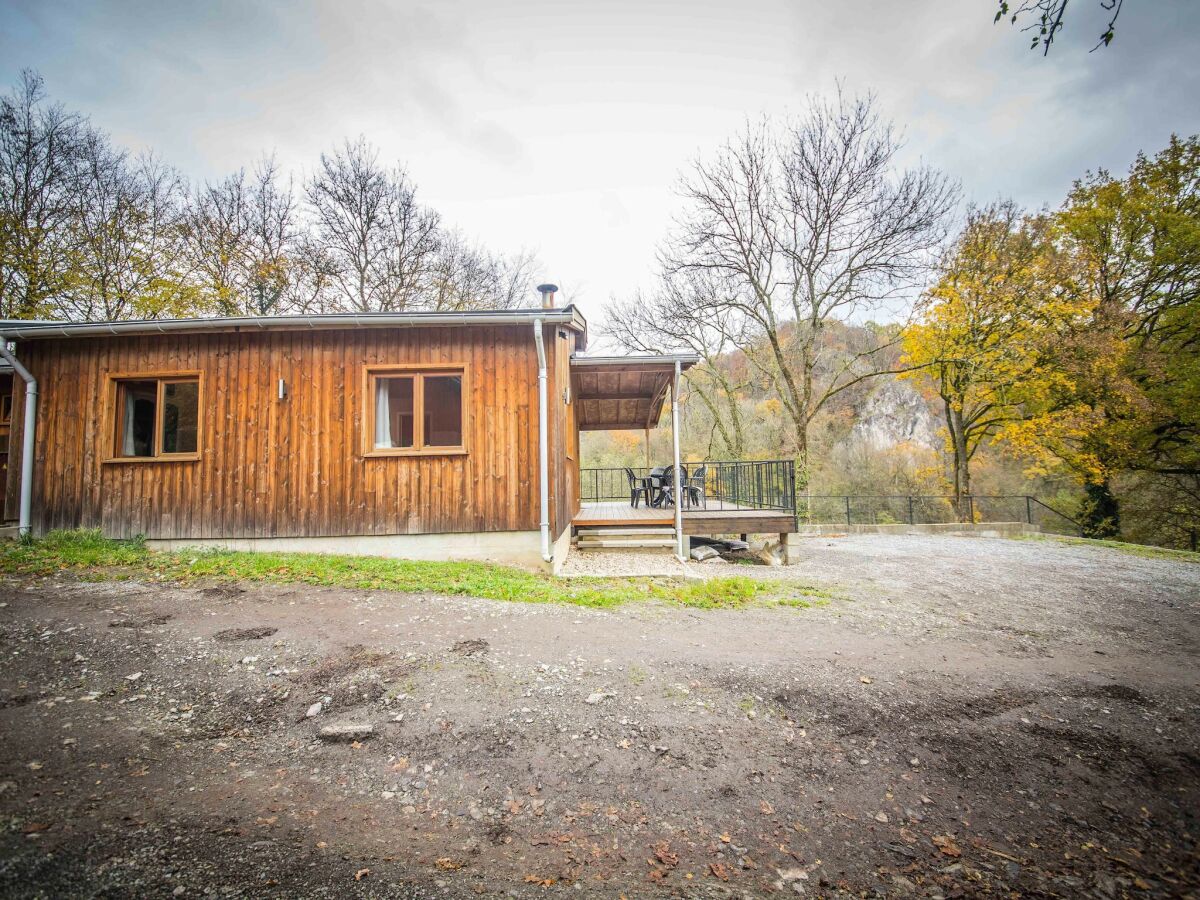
(1053, 352)
(848, 315)
(90, 231)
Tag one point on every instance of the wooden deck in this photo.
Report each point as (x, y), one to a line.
(718, 518)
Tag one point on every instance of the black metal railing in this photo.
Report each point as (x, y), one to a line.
(725, 485)
(771, 485)
(928, 509)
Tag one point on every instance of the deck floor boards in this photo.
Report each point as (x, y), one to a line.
(619, 512)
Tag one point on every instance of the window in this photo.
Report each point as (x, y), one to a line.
(5, 408)
(413, 412)
(157, 417)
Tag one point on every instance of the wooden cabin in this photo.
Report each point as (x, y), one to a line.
(421, 435)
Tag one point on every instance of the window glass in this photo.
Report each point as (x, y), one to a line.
(443, 411)
(180, 416)
(138, 406)
(394, 413)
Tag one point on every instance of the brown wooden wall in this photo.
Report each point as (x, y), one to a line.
(271, 468)
(564, 433)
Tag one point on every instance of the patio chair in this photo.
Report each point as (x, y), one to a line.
(666, 495)
(694, 488)
(639, 487)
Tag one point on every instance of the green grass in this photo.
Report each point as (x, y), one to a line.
(88, 555)
(1146, 551)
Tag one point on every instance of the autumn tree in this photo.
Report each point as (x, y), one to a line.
(986, 330)
(796, 224)
(1130, 398)
(126, 236)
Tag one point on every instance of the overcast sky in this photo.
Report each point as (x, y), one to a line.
(562, 126)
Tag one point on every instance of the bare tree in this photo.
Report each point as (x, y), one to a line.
(244, 242)
(683, 314)
(465, 276)
(379, 243)
(800, 224)
(39, 169)
(271, 265)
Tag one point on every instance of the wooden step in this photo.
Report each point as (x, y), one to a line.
(618, 544)
(612, 531)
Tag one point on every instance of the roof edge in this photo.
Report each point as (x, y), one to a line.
(24, 330)
(687, 360)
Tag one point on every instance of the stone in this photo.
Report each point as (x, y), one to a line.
(598, 697)
(314, 710)
(700, 554)
(346, 733)
(771, 555)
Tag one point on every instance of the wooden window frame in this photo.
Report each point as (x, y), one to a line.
(115, 420)
(6, 414)
(416, 371)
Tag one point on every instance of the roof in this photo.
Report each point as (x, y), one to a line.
(26, 330)
(614, 393)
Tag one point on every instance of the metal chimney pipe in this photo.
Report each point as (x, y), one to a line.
(547, 291)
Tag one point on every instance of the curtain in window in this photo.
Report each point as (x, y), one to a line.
(383, 414)
(128, 441)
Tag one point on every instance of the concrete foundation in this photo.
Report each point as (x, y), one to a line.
(559, 549)
(789, 547)
(979, 529)
(514, 548)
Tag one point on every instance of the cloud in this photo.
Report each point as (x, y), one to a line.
(562, 126)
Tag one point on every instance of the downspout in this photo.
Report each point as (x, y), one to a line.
(543, 443)
(24, 526)
(675, 441)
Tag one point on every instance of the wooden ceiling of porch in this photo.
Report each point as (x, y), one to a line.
(618, 397)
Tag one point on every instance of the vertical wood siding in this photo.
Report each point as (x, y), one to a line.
(291, 468)
(564, 433)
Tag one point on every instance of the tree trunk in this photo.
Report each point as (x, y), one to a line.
(961, 461)
(1101, 512)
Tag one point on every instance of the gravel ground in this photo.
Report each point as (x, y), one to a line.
(964, 716)
(623, 563)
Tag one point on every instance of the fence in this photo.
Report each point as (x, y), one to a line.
(755, 484)
(882, 509)
(771, 484)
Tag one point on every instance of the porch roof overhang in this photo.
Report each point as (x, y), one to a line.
(616, 393)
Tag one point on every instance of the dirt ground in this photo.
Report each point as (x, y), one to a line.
(967, 716)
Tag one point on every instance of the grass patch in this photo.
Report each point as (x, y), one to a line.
(723, 593)
(1146, 551)
(87, 554)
